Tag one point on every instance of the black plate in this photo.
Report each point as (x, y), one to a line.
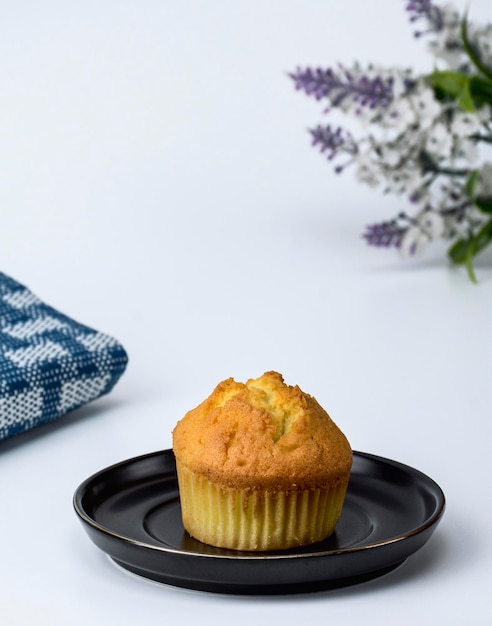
(132, 512)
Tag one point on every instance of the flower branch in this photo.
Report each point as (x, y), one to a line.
(425, 134)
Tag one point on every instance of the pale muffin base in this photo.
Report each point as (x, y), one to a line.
(256, 520)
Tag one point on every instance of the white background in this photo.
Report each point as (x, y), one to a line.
(157, 183)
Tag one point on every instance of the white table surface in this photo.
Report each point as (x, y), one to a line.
(157, 183)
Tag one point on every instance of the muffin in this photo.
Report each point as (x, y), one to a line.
(261, 466)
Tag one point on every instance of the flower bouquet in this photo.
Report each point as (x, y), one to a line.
(425, 135)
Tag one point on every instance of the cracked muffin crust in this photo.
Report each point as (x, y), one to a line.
(261, 465)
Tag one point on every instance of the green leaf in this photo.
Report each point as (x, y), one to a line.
(458, 252)
(471, 183)
(484, 204)
(483, 238)
(469, 91)
(463, 251)
(450, 83)
(480, 90)
(472, 50)
(461, 88)
(470, 270)
(465, 98)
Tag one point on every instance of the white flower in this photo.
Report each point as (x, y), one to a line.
(466, 149)
(417, 106)
(390, 155)
(408, 181)
(450, 16)
(439, 141)
(401, 79)
(484, 113)
(433, 224)
(426, 107)
(447, 44)
(413, 242)
(482, 38)
(429, 225)
(419, 194)
(457, 228)
(400, 115)
(484, 182)
(464, 224)
(465, 124)
(367, 170)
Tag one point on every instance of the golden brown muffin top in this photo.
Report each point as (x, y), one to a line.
(262, 434)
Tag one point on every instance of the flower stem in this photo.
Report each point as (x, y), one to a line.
(449, 171)
(479, 137)
(429, 165)
(458, 210)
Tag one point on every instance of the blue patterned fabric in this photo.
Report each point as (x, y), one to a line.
(49, 364)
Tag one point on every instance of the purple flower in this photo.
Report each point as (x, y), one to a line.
(365, 91)
(333, 141)
(385, 234)
(425, 9)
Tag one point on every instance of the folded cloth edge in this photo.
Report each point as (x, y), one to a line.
(50, 364)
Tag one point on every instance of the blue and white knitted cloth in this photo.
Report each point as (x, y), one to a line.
(49, 364)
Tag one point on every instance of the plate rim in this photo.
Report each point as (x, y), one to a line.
(252, 556)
